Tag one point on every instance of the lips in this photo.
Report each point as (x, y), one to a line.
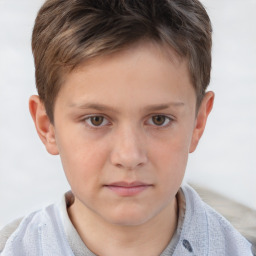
(127, 189)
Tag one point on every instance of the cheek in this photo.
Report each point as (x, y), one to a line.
(82, 161)
(173, 150)
(170, 158)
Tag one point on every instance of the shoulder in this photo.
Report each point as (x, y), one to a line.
(7, 231)
(241, 217)
(40, 231)
(208, 232)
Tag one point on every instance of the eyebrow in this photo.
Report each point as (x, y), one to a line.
(95, 106)
(156, 107)
(102, 107)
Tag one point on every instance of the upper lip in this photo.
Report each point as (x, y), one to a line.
(128, 184)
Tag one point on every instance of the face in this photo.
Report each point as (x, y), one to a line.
(124, 125)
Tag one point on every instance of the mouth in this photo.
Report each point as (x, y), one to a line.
(127, 189)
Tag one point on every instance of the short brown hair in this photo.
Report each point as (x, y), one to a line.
(69, 32)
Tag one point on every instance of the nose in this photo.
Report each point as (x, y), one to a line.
(129, 149)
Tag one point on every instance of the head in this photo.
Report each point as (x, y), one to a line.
(122, 99)
(71, 32)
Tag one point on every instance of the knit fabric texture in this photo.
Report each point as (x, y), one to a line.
(204, 233)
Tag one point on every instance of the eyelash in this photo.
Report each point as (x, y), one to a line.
(88, 121)
(167, 121)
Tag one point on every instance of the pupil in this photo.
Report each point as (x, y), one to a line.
(158, 120)
(97, 120)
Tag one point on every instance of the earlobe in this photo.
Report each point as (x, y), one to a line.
(44, 127)
(202, 115)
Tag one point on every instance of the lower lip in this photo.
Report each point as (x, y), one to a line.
(128, 191)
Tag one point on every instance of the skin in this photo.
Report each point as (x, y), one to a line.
(136, 125)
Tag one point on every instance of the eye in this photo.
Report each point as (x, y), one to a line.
(96, 121)
(160, 120)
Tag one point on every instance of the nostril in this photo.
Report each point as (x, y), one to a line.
(129, 156)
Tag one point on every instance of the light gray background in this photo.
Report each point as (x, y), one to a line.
(225, 160)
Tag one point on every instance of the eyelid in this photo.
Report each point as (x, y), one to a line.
(87, 117)
(168, 117)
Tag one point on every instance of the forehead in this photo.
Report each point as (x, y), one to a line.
(160, 52)
(138, 72)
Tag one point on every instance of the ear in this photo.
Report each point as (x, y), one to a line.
(44, 127)
(202, 115)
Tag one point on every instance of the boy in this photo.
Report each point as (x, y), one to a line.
(122, 99)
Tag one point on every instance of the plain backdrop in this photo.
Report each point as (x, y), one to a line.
(225, 160)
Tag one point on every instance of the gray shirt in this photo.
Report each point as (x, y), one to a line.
(202, 232)
(79, 248)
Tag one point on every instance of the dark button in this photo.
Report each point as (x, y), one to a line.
(187, 245)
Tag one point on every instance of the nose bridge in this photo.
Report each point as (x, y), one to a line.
(129, 149)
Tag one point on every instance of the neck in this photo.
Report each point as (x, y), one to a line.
(104, 238)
